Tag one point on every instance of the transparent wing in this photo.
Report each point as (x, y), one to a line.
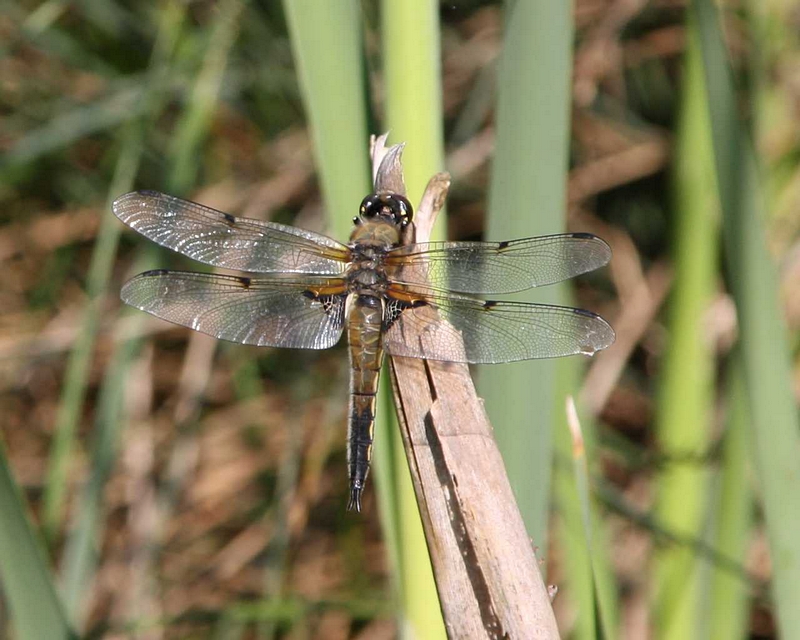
(223, 240)
(259, 311)
(497, 267)
(437, 326)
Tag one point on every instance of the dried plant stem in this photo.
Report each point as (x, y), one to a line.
(486, 571)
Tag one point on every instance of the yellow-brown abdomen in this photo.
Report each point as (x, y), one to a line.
(366, 357)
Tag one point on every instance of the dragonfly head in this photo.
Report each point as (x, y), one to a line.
(389, 207)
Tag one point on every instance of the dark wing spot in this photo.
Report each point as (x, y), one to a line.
(503, 245)
(584, 312)
(244, 281)
(419, 303)
(155, 272)
(490, 304)
(584, 236)
(332, 304)
(148, 192)
(229, 219)
(392, 311)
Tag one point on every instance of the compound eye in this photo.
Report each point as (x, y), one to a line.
(370, 207)
(402, 209)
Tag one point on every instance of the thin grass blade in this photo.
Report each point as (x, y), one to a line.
(97, 281)
(82, 547)
(67, 128)
(196, 121)
(600, 615)
(590, 582)
(79, 560)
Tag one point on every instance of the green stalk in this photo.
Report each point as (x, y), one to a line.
(686, 394)
(327, 44)
(528, 197)
(27, 584)
(412, 73)
(729, 596)
(775, 433)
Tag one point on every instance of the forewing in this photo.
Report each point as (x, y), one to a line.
(497, 267)
(460, 329)
(259, 311)
(223, 240)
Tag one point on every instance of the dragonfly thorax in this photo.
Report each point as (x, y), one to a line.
(367, 280)
(366, 272)
(369, 243)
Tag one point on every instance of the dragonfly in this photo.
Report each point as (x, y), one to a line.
(392, 297)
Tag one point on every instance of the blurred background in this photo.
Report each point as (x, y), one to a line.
(176, 487)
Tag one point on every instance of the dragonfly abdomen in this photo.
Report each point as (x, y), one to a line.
(366, 357)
